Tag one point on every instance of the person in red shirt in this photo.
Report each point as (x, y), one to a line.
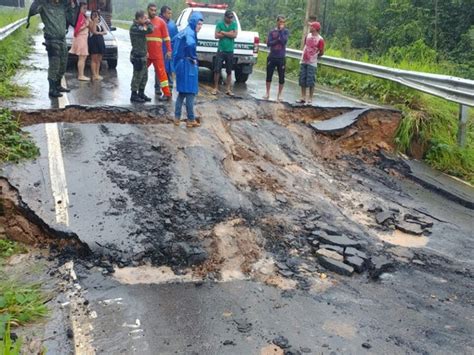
(313, 50)
(155, 50)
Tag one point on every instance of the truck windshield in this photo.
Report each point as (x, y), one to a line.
(212, 18)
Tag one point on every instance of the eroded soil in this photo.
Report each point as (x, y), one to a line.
(257, 194)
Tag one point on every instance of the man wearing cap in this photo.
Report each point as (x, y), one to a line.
(155, 42)
(226, 32)
(313, 49)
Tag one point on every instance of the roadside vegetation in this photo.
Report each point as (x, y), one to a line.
(13, 50)
(20, 303)
(15, 144)
(427, 36)
(429, 127)
(11, 14)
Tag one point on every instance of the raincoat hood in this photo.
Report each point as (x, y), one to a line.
(194, 19)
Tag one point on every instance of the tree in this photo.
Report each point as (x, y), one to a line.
(312, 9)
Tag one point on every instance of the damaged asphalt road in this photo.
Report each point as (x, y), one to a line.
(278, 214)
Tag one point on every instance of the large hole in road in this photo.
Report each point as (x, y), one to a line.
(255, 192)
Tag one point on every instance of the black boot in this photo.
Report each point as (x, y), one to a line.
(53, 89)
(141, 93)
(61, 88)
(135, 97)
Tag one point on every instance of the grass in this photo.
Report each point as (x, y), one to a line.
(13, 50)
(15, 144)
(8, 346)
(429, 124)
(9, 248)
(11, 14)
(19, 303)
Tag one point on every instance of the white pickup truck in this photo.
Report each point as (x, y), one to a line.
(246, 43)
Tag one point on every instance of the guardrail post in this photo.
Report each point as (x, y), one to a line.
(462, 129)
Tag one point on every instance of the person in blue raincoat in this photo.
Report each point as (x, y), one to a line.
(186, 68)
(166, 14)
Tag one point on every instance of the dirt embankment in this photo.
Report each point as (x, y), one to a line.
(254, 192)
(23, 225)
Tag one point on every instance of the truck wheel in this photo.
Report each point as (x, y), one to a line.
(112, 63)
(240, 77)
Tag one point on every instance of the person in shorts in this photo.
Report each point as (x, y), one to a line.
(313, 50)
(226, 32)
(276, 42)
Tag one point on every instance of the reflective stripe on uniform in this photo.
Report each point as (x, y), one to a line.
(154, 39)
(167, 39)
(164, 83)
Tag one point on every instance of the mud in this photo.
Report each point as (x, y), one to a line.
(254, 193)
(23, 225)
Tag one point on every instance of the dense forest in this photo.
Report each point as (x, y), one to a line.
(402, 30)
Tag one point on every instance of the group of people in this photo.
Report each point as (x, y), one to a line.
(313, 49)
(57, 16)
(150, 36)
(155, 41)
(88, 39)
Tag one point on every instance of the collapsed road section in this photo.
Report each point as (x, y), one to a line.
(256, 192)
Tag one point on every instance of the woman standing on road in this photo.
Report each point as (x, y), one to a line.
(96, 44)
(79, 42)
(186, 69)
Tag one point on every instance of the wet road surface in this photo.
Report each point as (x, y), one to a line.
(114, 90)
(212, 233)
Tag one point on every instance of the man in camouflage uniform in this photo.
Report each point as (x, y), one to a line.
(56, 16)
(140, 28)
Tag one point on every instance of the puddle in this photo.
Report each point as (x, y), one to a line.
(404, 240)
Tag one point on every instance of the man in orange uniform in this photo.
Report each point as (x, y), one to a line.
(155, 51)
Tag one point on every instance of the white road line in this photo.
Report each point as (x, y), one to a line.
(63, 101)
(57, 172)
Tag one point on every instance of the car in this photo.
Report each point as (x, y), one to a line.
(111, 48)
(246, 43)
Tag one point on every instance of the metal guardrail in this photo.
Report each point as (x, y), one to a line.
(447, 87)
(12, 27)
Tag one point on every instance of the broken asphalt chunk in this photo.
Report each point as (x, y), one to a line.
(353, 251)
(329, 254)
(379, 265)
(409, 228)
(335, 248)
(357, 263)
(384, 217)
(340, 240)
(281, 341)
(336, 266)
(418, 220)
(243, 326)
(329, 229)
